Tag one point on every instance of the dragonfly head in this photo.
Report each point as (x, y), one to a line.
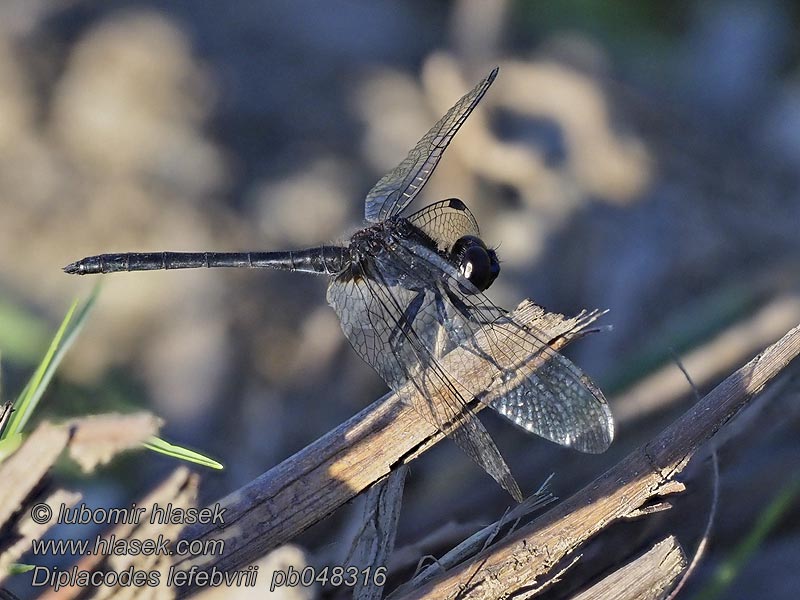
(475, 261)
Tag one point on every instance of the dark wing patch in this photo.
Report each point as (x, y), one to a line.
(445, 222)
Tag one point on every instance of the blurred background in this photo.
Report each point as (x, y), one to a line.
(640, 157)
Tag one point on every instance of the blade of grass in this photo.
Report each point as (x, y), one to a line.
(156, 444)
(727, 571)
(27, 400)
(19, 568)
(65, 336)
(9, 444)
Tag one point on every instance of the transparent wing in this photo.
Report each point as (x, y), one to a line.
(543, 392)
(395, 330)
(399, 187)
(445, 222)
(556, 400)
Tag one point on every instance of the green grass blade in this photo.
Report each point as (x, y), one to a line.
(156, 444)
(65, 336)
(9, 444)
(27, 400)
(19, 568)
(730, 568)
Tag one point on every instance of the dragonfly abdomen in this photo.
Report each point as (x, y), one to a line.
(322, 259)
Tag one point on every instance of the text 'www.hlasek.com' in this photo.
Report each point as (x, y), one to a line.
(90, 552)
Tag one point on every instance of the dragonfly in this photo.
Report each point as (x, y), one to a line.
(408, 291)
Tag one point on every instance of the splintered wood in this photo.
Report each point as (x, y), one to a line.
(307, 487)
(648, 472)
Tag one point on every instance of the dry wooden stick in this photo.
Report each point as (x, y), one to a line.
(477, 541)
(644, 578)
(713, 359)
(310, 485)
(648, 472)
(375, 542)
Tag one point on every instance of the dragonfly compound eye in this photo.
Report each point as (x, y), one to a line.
(477, 263)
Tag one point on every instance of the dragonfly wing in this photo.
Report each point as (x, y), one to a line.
(560, 403)
(534, 386)
(445, 222)
(398, 188)
(395, 330)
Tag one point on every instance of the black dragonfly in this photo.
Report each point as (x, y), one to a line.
(408, 290)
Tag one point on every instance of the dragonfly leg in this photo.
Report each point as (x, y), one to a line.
(407, 319)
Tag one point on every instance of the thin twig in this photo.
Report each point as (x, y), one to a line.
(712, 513)
(5, 413)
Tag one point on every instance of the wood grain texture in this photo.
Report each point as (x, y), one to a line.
(529, 553)
(307, 487)
(646, 577)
